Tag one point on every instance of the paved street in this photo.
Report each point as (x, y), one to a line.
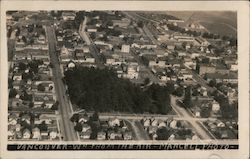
(67, 127)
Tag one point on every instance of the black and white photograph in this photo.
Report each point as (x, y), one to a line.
(110, 76)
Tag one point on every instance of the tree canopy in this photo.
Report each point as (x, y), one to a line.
(102, 91)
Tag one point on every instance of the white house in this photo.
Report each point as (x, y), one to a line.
(26, 134)
(36, 133)
(125, 48)
(114, 122)
(215, 106)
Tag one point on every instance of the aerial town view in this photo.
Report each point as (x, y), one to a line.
(122, 75)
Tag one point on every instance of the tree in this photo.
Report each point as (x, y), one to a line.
(140, 24)
(146, 81)
(25, 96)
(212, 83)
(41, 88)
(55, 106)
(24, 39)
(43, 105)
(205, 112)
(187, 97)
(179, 91)
(205, 60)
(22, 66)
(43, 126)
(101, 90)
(75, 117)
(95, 116)
(162, 134)
(12, 93)
(31, 105)
(78, 127)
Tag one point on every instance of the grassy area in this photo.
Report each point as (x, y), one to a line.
(219, 28)
(223, 23)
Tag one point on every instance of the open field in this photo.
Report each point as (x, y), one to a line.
(223, 23)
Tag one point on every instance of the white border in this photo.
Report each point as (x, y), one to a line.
(242, 9)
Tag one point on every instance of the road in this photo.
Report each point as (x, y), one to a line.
(93, 50)
(136, 17)
(199, 128)
(66, 126)
(151, 76)
(199, 79)
(139, 132)
(203, 82)
(150, 35)
(11, 45)
(127, 116)
(183, 114)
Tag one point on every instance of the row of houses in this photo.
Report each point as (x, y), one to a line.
(26, 127)
(152, 125)
(108, 129)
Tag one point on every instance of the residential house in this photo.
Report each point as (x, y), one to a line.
(215, 106)
(17, 84)
(26, 118)
(227, 78)
(173, 124)
(146, 122)
(17, 77)
(154, 122)
(205, 69)
(45, 118)
(16, 102)
(65, 55)
(85, 127)
(83, 118)
(123, 23)
(114, 122)
(127, 135)
(183, 38)
(201, 41)
(12, 119)
(112, 135)
(110, 60)
(125, 48)
(44, 134)
(18, 127)
(91, 29)
(11, 132)
(161, 124)
(71, 64)
(132, 72)
(36, 133)
(26, 134)
(101, 135)
(152, 129)
(85, 135)
(53, 133)
(68, 15)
